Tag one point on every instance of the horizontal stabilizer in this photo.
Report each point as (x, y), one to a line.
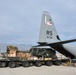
(40, 45)
(63, 42)
(56, 43)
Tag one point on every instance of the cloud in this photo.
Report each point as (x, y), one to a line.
(20, 19)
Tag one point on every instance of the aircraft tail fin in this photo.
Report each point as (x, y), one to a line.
(48, 32)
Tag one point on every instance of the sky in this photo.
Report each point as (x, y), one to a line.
(20, 20)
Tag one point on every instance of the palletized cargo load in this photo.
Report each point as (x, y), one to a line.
(11, 51)
(23, 54)
(35, 56)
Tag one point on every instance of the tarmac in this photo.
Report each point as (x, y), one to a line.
(43, 70)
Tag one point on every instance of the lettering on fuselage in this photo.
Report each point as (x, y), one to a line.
(49, 34)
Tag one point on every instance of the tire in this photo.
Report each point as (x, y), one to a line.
(25, 64)
(49, 63)
(2, 64)
(57, 62)
(38, 64)
(12, 64)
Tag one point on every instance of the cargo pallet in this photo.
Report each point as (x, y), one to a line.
(15, 62)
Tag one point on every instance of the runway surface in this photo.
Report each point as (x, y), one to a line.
(44, 70)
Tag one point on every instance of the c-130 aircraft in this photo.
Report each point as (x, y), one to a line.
(49, 37)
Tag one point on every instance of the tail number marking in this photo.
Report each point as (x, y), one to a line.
(49, 34)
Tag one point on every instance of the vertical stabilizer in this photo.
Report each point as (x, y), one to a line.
(48, 32)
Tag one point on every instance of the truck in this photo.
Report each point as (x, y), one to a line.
(34, 57)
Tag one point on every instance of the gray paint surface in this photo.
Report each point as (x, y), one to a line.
(48, 32)
(48, 35)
